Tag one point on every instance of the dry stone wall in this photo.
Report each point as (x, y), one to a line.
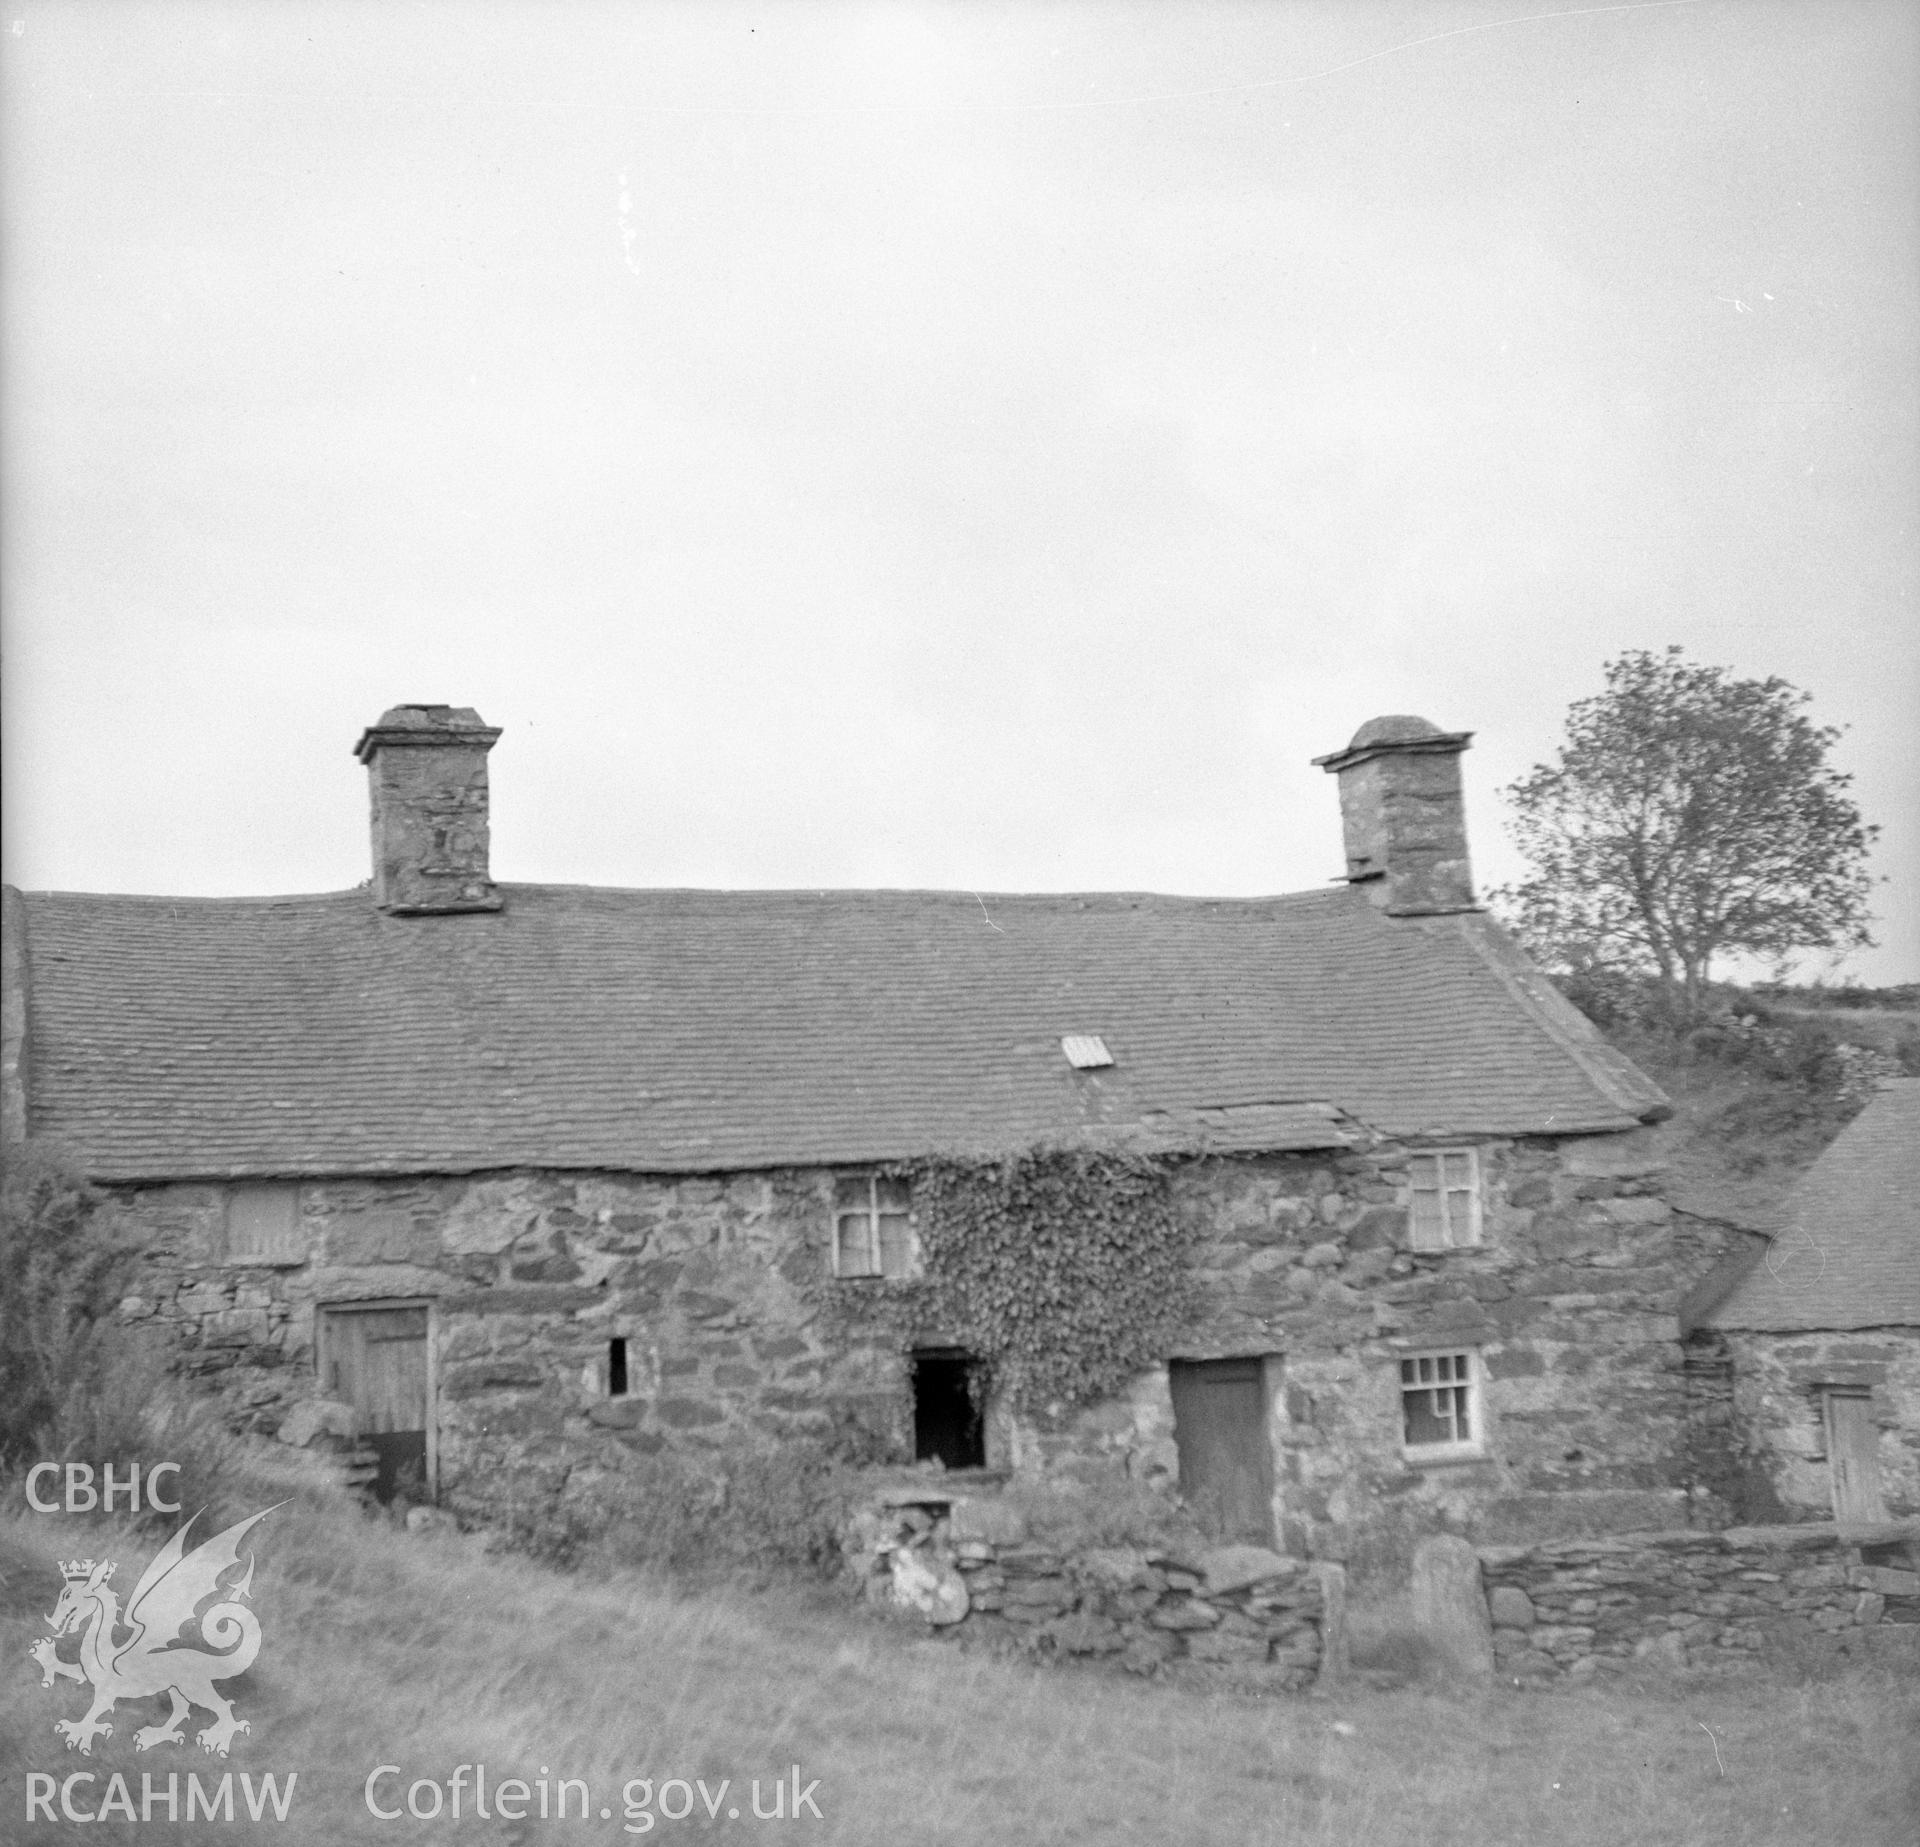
(1575, 1608)
(1241, 1611)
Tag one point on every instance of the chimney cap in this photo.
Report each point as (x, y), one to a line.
(1394, 732)
(426, 724)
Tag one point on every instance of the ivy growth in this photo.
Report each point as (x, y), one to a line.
(1064, 1269)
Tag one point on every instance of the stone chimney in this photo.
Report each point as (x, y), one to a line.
(1403, 817)
(428, 769)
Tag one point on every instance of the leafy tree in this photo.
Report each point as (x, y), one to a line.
(1688, 815)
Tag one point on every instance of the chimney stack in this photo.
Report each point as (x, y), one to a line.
(1403, 817)
(428, 768)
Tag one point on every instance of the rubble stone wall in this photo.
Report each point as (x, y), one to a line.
(1778, 1383)
(1575, 1608)
(718, 1287)
(967, 1564)
(530, 1276)
(1570, 1301)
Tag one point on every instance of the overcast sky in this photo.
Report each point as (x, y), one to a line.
(970, 446)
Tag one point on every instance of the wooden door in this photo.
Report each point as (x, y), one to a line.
(1226, 1461)
(1853, 1453)
(376, 1360)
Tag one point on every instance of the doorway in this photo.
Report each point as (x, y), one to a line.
(947, 1425)
(376, 1359)
(1226, 1460)
(1853, 1454)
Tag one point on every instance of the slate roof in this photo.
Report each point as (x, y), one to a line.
(1848, 1255)
(687, 1031)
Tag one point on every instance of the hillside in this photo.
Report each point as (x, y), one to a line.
(1763, 1086)
(428, 1654)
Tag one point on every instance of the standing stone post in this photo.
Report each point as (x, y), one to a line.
(1334, 1659)
(1449, 1606)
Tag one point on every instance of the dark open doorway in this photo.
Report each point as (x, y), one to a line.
(947, 1426)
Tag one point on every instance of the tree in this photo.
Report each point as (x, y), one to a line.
(1688, 815)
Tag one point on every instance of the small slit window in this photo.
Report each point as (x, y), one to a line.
(1439, 1405)
(1445, 1205)
(263, 1225)
(617, 1367)
(872, 1228)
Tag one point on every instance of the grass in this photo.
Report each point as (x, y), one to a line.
(1885, 1029)
(1747, 1126)
(429, 1653)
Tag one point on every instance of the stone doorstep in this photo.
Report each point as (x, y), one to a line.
(1813, 1535)
(1234, 1568)
(1884, 1579)
(932, 1500)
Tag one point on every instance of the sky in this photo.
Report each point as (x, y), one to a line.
(974, 446)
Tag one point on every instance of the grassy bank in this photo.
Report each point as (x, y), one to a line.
(1761, 1086)
(429, 1654)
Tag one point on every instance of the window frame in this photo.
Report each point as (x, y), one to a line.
(1471, 1233)
(291, 1258)
(870, 1214)
(1471, 1380)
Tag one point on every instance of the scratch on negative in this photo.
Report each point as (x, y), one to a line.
(1784, 1245)
(1708, 1729)
(991, 925)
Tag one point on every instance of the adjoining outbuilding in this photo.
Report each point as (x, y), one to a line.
(1819, 1333)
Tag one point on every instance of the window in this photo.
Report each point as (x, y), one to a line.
(871, 1232)
(617, 1367)
(1439, 1405)
(1446, 1199)
(263, 1225)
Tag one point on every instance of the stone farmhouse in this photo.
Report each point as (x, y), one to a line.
(522, 1181)
(1817, 1338)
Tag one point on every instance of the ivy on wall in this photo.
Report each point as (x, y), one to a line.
(1065, 1270)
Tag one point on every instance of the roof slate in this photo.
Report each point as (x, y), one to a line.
(675, 1031)
(1848, 1255)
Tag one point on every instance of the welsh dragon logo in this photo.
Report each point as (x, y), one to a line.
(153, 1658)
